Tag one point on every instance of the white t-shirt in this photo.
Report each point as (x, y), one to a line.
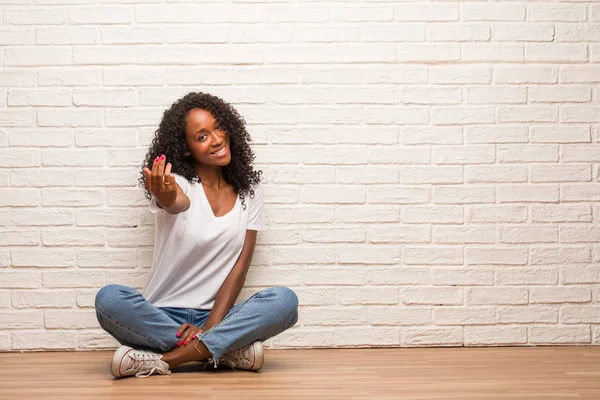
(194, 251)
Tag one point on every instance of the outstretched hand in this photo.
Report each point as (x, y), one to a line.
(161, 183)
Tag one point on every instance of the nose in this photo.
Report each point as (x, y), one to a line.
(217, 140)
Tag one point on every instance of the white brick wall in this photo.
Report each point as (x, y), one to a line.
(431, 168)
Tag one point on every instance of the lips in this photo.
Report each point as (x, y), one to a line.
(220, 153)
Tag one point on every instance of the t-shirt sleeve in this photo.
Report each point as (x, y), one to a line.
(183, 184)
(255, 210)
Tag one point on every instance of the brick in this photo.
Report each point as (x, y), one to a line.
(521, 74)
(101, 15)
(526, 276)
(43, 299)
(398, 276)
(366, 214)
(463, 194)
(73, 237)
(20, 198)
(580, 152)
(435, 296)
(462, 115)
(333, 316)
(103, 137)
(496, 213)
(70, 319)
(428, 52)
(528, 234)
(495, 95)
(460, 75)
(398, 317)
(462, 32)
(559, 334)
(62, 35)
(40, 217)
(561, 213)
(556, 52)
(397, 194)
(21, 319)
(405, 32)
(103, 55)
(17, 118)
(560, 133)
(432, 214)
(358, 175)
(464, 316)
(332, 194)
(557, 12)
(69, 76)
(438, 255)
(367, 296)
(566, 173)
(34, 56)
(333, 235)
(496, 173)
(131, 35)
(415, 135)
(15, 77)
(496, 335)
(54, 97)
(464, 155)
(398, 155)
(560, 295)
(432, 174)
(527, 314)
(107, 259)
(522, 32)
(44, 340)
(367, 254)
(71, 279)
(16, 36)
(20, 279)
(496, 296)
(429, 12)
(26, 16)
(502, 255)
(492, 52)
(462, 234)
(527, 193)
(398, 234)
(436, 336)
(493, 12)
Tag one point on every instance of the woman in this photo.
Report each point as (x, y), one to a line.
(207, 200)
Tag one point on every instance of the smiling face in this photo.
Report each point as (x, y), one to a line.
(208, 144)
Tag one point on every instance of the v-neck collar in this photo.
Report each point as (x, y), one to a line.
(205, 199)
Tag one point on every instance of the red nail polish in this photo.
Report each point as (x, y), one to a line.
(178, 334)
(156, 159)
(186, 342)
(179, 344)
(162, 157)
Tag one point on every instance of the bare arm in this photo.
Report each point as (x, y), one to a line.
(231, 288)
(161, 183)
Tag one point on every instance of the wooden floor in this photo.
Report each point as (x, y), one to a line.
(407, 373)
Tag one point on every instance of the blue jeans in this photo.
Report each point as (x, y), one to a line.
(133, 321)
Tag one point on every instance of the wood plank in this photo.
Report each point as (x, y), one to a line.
(534, 373)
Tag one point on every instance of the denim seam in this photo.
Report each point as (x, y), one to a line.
(127, 329)
(228, 317)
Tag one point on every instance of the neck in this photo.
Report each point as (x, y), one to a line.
(210, 175)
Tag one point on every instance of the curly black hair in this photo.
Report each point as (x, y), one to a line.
(170, 140)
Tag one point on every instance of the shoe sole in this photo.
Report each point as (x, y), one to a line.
(115, 365)
(259, 356)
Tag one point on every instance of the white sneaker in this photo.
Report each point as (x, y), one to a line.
(128, 361)
(251, 357)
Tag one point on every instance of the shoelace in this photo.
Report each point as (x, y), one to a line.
(147, 364)
(237, 358)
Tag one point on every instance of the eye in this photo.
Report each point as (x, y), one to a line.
(201, 138)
